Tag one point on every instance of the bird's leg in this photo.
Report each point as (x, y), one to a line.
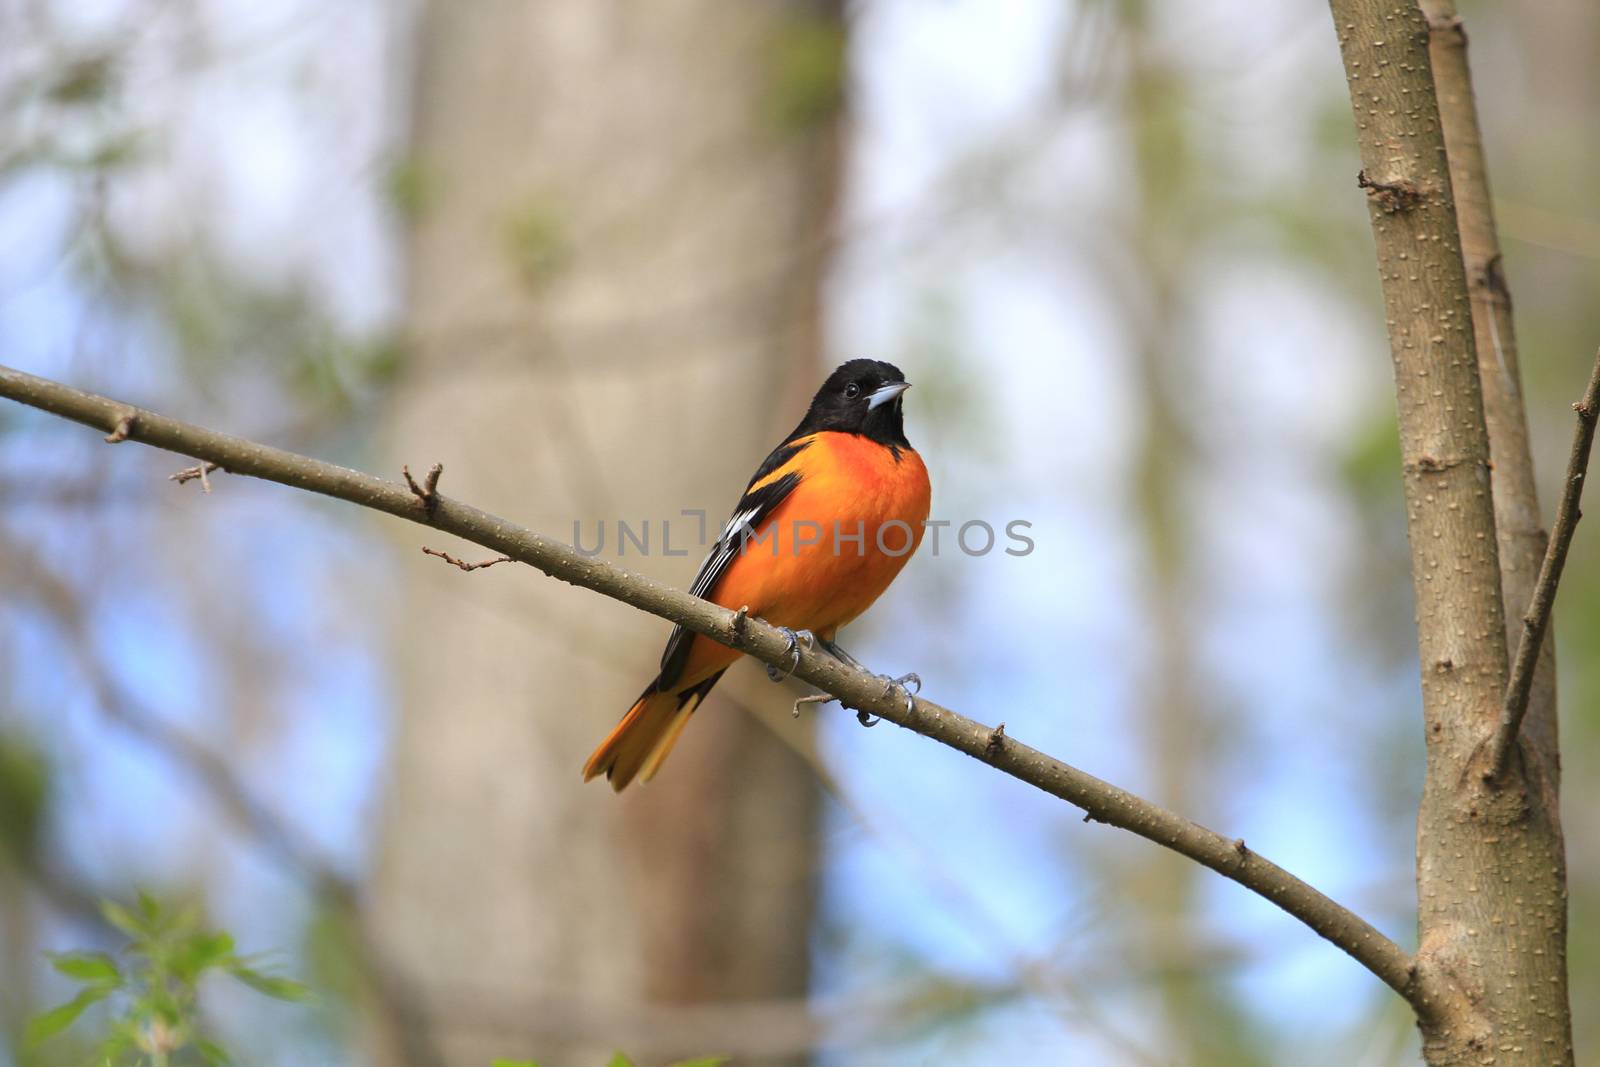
(841, 655)
(795, 640)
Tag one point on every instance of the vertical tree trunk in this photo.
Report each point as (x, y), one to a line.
(1490, 869)
(614, 279)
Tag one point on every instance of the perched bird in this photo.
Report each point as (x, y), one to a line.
(828, 520)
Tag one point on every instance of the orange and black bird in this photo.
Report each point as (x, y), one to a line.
(828, 520)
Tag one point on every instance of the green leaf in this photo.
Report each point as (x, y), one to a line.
(49, 1024)
(619, 1060)
(188, 917)
(95, 967)
(202, 951)
(271, 985)
(164, 1006)
(213, 945)
(213, 1053)
(111, 1050)
(123, 919)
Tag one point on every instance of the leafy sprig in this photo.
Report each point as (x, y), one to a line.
(155, 986)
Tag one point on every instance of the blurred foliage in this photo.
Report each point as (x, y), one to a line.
(223, 324)
(1379, 607)
(536, 240)
(67, 111)
(1174, 172)
(411, 188)
(24, 791)
(155, 986)
(83, 80)
(620, 1060)
(337, 965)
(957, 400)
(104, 112)
(808, 69)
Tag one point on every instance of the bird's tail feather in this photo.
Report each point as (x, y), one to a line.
(640, 743)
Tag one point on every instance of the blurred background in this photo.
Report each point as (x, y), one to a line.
(594, 257)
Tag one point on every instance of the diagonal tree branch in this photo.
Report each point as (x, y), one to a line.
(1101, 801)
(1537, 619)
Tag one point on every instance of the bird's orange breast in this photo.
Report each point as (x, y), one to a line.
(834, 544)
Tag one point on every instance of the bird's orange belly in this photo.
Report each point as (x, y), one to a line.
(837, 542)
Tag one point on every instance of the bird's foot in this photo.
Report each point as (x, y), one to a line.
(794, 640)
(907, 684)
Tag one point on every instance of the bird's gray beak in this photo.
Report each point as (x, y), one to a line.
(885, 393)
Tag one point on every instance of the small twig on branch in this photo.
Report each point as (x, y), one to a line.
(1393, 197)
(997, 741)
(1537, 619)
(814, 698)
(1100, 800)
(463, 564)
(122, 429)
(189, 474)
(428, 491)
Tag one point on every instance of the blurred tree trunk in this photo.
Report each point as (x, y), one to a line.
(621, 212)
(1201, 1022)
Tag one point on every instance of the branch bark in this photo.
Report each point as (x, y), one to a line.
(1516, 498)
(1490, 867)
(1101, 801)
(1536, 621)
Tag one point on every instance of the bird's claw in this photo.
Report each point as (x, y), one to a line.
(907, 684)
(792, 648)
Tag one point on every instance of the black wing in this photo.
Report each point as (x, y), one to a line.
(753, 509)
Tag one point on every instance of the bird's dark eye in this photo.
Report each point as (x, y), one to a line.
(852, 391)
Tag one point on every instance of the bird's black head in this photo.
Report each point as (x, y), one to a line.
(862, 396)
